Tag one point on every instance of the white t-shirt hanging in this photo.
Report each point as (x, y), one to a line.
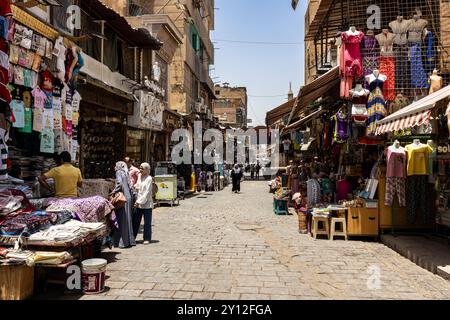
(27, 38)
(74, 149)
(18, 110)
(18, 76)
(38, 119)
(67, 143)
(68, 112)
(47, 141)
(49, 121)
(39, 98)
(76, 100)
(59, 140)
(34, 79)
(64, 91)
(4, 60)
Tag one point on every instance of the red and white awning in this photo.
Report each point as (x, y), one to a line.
(416, 114)
(411, 121)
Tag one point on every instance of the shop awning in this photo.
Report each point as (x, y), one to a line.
(416, 114)
(306, 119)
(307, 146)
(279, 112)
(314, 90)
(140, 37)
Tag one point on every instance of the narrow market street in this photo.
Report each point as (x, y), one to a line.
(231, 246)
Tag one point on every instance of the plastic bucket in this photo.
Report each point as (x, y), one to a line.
(93, 275)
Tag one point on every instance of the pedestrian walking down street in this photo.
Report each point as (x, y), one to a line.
(258, 168)
(144, 203)
(236, 176)
(252, 171)
(124, 237)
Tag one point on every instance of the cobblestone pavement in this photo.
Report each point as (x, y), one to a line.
(231, 246)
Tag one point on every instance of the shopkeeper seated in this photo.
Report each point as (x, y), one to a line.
(67, 178)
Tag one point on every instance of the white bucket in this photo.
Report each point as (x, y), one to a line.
(94, 271)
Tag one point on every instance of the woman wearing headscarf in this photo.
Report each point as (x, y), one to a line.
(236, 176)
(124, 238)
(144, 203)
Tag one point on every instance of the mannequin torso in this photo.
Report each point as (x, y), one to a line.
(386, 42)
(396, 161)
(436, 82)
(375, 76)
(415, 29)
(400, 29)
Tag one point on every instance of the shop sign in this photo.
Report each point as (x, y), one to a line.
(443, 149)
(148, 112)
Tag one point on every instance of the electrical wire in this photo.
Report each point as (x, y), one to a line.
(276, 96)
(259, 42)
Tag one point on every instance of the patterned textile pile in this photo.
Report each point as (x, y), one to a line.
(93, 209)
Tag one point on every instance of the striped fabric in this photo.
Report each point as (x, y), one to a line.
(414, 120)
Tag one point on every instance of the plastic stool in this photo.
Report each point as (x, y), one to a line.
(338, 233)
(326, 227)
(280, 206)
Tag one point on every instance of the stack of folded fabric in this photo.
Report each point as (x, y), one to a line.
(322, 212)
(26, 224)
(51, 258)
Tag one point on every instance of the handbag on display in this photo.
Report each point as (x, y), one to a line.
(118, 200)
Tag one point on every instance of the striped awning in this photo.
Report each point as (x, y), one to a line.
(414, 115)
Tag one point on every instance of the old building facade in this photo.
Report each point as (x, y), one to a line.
(231, 105)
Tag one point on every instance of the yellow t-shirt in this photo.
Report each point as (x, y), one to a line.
(66, 179)
(418, 159)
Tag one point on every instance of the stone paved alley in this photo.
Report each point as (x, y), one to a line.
(227, 246)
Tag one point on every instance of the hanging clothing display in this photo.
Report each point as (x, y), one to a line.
(388, 67)
(370, 52)
(419, 79)
(4, 154)
(376, 105)
(395, 175)
(359, 102)
(351, 64)
(416, 188)
(430, 54)
(341, 127)
(401, 51)
(387, 63)
(418, 159)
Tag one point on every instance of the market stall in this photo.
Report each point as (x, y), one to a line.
(36, 234)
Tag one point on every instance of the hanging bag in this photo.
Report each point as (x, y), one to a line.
(118, 200)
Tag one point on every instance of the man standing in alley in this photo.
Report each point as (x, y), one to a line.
(257, 169)
(66, 177)
(132, 171)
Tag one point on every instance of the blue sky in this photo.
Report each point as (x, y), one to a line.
(264, 69)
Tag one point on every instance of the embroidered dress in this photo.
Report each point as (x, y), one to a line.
(387, 67)
(341, 128)
(351, 63)
(418, 76)
(370, 52)
(376, 105)
(430, 53)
